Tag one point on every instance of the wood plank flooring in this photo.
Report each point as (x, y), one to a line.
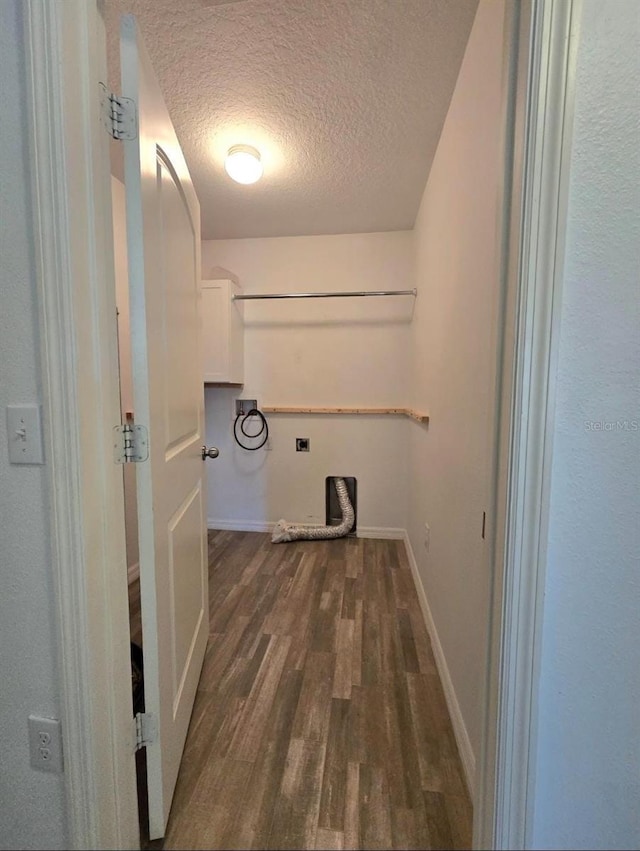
(320, 720)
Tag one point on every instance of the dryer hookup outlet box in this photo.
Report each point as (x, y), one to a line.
(303, 444)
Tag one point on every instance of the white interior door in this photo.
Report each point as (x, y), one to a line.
(163, 237)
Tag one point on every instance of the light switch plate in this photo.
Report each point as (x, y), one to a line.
(24, 434)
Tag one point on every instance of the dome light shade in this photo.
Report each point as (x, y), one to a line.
(243, 164)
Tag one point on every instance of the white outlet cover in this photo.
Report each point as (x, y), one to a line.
(45, 744)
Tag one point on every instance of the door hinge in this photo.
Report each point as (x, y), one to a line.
(130, 443)
(119, 115)
(145, 730)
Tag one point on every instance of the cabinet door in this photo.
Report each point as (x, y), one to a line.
(215, 331)
(222, 333)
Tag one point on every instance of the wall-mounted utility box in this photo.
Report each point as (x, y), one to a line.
(222, 332)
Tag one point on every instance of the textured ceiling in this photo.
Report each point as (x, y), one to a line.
(345, 99)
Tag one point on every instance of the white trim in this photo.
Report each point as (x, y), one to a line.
(519, 567)
(239, 525)
(385, 533)
(133, 572)
(389, 533)
(516, 62)
(60, 395)
(459, 728)
(64, 47)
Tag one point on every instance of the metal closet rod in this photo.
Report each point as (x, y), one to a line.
(357, 293)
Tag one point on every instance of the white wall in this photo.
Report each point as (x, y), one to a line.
(457, 268)
(31, 802)
(316, 352)
(588, 765)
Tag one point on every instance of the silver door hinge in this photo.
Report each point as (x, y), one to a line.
(119, 115)
(145, 730)
(130, 443)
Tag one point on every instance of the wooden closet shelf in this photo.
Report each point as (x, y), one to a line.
(407, 412)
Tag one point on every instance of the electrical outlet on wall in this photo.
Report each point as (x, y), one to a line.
(303, 444)
(45, 744)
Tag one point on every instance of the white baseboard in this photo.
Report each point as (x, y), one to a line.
(387, 533)
(133, 572)
(460, 731)
(239, 525)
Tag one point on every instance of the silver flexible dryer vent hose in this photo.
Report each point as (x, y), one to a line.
(284, 531)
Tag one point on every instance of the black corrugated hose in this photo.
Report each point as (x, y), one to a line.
(264, 429)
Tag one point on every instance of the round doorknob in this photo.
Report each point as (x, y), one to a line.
(212, 452)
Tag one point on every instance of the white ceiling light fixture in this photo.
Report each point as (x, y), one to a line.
(243, 164)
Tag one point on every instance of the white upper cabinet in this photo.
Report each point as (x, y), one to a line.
(222, 332)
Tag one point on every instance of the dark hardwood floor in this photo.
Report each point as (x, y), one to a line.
(320, 720)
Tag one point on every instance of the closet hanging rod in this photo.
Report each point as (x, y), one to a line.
(358, 293)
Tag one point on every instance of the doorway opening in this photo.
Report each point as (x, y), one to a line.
(128, 411)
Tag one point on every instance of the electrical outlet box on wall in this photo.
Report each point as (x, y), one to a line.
(222, 332)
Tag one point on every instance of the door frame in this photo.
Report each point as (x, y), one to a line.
(538, 163)
(65, 50)
(65, 47)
